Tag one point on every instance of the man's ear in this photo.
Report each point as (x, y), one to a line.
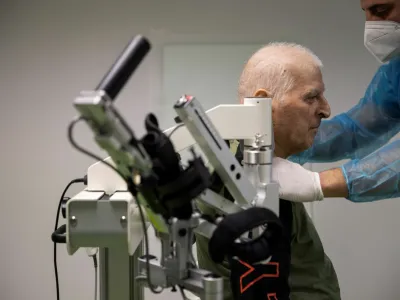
(262, 93)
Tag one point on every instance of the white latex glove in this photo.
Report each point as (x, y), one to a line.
(296, 183)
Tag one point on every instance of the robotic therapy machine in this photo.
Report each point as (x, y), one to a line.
(144, 183)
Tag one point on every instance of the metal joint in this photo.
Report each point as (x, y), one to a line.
(257, 157)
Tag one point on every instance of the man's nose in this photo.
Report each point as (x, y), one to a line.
(324, 110)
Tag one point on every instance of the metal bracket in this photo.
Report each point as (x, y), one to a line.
(97, 220)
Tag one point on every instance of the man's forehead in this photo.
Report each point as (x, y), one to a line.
(310, 89)
(310, 81)
(366, 4)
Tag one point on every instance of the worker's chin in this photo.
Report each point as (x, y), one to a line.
(313, 132)
(309, 143)
(311, 137)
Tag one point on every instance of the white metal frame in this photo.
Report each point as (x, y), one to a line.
(101, 178)
(119, 212)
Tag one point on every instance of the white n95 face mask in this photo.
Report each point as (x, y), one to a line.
(382, 39)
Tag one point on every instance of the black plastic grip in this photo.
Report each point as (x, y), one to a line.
(59, 236)
(115, 79)
(222, 242)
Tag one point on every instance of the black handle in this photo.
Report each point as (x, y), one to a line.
(115, 79)
(222, 242)
(59, 235)
(64, 206)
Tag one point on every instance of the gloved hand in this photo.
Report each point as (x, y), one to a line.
(296, 183)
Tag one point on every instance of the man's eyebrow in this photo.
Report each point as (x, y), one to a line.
(375, 7)
(312, 93)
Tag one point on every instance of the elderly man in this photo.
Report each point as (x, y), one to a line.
(291, 75)
(360, 134)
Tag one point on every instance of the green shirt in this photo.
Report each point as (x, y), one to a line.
(312, 275)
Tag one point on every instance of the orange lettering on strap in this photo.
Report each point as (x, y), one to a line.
(272, 296)
(251, 269)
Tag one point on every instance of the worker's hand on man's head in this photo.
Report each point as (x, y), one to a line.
(296, 183)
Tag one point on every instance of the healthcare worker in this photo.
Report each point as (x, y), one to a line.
(370, 174)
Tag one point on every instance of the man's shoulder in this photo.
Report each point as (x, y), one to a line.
(394, 74)
(395, 61)
(391, 68)
(387, 79)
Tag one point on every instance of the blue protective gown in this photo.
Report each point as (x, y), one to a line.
(371, 174)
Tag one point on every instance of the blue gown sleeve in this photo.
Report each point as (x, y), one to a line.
(376, 176)
(359, 132)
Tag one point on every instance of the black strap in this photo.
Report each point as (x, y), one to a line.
(222, 243)
(263, 281)
(59, 235)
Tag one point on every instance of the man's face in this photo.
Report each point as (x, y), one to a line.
(381, 10)
(297, 116)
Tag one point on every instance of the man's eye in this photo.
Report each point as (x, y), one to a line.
(311, 99)
(380, 10)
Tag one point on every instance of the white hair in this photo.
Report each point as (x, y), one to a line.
(271, 68)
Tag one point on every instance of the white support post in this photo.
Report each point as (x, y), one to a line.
(118, 271)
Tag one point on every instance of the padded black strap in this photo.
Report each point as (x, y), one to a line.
(222, 242)
(59, 236)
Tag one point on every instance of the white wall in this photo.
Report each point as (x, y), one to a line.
(50, 50)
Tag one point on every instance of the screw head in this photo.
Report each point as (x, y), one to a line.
(123, 221)
(73, 221)
(182, 232)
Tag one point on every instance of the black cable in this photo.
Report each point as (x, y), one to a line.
(83, 150)
(147, 250)
(175, 129)
(95, 275)
(181, 289)
(79, 180)
(130, 189)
